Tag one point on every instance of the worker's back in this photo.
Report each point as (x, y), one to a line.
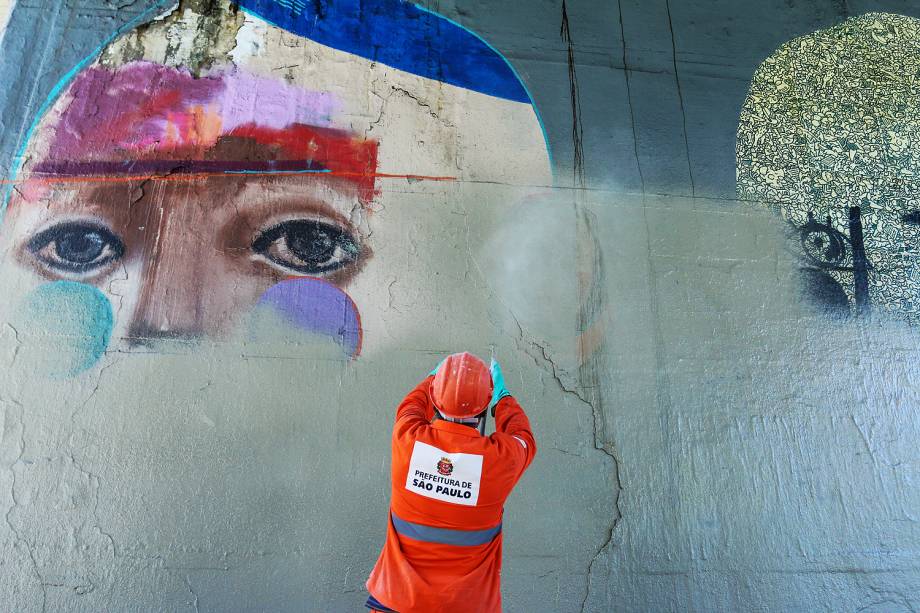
(449, 485)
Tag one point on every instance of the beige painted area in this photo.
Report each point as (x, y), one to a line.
(6, 9)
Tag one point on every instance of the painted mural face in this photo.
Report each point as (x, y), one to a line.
(191, 192)
(828, 138)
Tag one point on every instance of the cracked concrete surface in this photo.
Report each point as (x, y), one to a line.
(19, 541)
(195, 34)
(706, 442)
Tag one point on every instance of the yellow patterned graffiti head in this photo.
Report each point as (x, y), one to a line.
(832, 121)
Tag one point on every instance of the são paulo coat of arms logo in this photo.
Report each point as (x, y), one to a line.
(445, 467)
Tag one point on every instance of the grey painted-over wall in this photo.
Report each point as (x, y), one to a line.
(724, 444)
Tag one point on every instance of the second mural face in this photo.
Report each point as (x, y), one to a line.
(828, 138)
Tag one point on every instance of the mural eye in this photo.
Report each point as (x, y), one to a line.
(76, 247)
(822, 245)
(307, 246)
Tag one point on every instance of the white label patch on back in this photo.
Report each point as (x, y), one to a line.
(451, 477)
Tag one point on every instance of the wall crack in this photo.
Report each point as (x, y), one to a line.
(542, 358)
(19, 539)
(680, 97)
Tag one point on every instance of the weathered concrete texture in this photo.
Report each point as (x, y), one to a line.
(765, 452)
(707, 441)
(212, 36)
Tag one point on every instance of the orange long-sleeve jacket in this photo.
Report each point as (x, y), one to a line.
(449, 485)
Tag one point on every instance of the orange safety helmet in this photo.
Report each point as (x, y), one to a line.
(462, 387)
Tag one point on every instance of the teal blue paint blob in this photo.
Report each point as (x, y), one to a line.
(71, 323)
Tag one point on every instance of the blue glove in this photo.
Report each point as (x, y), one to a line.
(436, 368)
(498, 385)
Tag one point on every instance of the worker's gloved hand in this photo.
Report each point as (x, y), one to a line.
(498, 385)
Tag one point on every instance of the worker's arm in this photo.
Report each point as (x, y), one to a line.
(513, 434)
(415, 410)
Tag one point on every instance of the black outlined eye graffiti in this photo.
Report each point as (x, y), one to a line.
(824, 246)
(307, 246)
(834, 262)
(81, 248)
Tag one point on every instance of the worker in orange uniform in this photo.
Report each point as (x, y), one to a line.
(443, 550)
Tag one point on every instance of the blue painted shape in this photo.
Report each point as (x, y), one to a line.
(530, 97)
(319, 307)
(76, 318)
(401, 35)
(276, 172)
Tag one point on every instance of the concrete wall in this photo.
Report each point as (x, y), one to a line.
(702, 286)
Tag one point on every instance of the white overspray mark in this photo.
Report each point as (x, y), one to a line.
(6, 10)
(249, 39)
(166, 12)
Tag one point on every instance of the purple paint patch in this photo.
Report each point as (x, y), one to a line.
(147, 107)
(124, 109)
(318, 307)
(85, 169)
(273, 103)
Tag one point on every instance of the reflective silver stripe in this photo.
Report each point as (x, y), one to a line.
(430, 534)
